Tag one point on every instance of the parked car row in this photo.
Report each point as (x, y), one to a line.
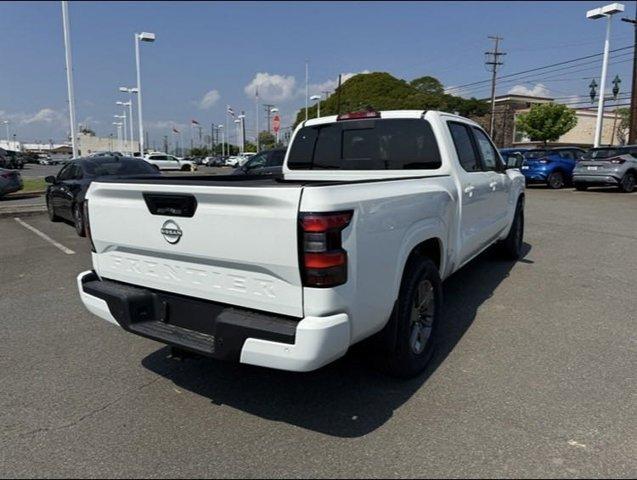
(572, 166)
(11, 159)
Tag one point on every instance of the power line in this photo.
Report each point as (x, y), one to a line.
(539, 68)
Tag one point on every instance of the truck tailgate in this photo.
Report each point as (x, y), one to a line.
(239, 247)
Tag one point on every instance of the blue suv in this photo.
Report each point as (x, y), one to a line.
(552, 166)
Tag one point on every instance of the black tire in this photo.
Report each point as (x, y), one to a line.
(512, 245)
(556, 180)
(51, 211)
(415, 333)
(78, 220)
(186, 168)
(580, 187)
(627, 183)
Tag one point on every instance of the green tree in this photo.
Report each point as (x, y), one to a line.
(382, 91)
(266, 140)
(546, 122)
(623, 125)
(428, 85)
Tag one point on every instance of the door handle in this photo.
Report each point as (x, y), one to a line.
(469, 190)
(493, 185)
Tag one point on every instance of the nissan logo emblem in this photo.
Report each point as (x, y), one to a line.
(171, 231)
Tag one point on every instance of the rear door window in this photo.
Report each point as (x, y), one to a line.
(464, 147)
(488, 153)
(371, 144)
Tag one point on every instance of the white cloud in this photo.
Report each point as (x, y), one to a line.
(272, 88)
(458, 92)
(331, 84)
(209, 99)
(165, 125)
(539, 90)
(45, 115)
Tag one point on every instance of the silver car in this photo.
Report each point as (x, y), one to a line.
(604, 166)
(10, 181)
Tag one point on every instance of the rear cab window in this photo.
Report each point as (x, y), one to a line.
(369, 144)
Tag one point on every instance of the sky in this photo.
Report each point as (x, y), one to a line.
(211, 54)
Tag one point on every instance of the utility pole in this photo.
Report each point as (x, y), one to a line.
(165, 143)
(268, 107)
(632, 131)
(493, 60)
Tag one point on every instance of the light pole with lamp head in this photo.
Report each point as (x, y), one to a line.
(607, 11)
(242, 118)
(223, 140)
(6, 124)
(318, 104)
(141, 37)
(119, 134)
(236, 132)
(130, 92)
(129, 104)
(123, 118)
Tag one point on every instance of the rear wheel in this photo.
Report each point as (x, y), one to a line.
(627, 183)
(555, 180)
(512, 245)
(78, 220)
(417, 317)
(51, 211)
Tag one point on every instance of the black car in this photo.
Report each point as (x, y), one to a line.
(11, 160)
(266, 162)
(65, 194)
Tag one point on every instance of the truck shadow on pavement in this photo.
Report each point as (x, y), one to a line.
(347, 398)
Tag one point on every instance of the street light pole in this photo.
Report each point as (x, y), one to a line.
(141, 37)
(318, 104)
(607, 11)
(69, 74)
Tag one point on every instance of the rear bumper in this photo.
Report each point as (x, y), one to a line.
(218, 330)
(600, 179)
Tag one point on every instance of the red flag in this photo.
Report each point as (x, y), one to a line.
(195, 122)
(175, 130)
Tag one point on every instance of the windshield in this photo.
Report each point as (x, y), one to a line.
(256, 161)
(119, 166)
(535, 154)
(602, 153)
(387, 144)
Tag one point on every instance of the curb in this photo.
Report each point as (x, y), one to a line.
(26, 194)
(25, 211)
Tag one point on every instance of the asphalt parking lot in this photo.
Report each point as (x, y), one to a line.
(536, 375)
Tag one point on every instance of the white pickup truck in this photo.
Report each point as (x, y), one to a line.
(373, 211)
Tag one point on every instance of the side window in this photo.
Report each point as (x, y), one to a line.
(464, 147)
(487, 150)
(66, 173)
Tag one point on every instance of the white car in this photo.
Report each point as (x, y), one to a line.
(233, 161)
(163, 161)
(374, 211)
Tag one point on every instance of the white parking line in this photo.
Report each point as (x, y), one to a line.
(40, 234)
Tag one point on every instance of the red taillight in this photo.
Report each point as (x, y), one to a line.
(87, 226)
(359, 115)
(323, 259)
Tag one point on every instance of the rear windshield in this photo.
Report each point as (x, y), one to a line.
(601, 153)
(533, 154)
(372, 144)
(120, 166)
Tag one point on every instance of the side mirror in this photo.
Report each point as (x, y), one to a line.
(50, 179)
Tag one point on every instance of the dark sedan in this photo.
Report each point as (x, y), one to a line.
(65, 194)
(266, 162)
